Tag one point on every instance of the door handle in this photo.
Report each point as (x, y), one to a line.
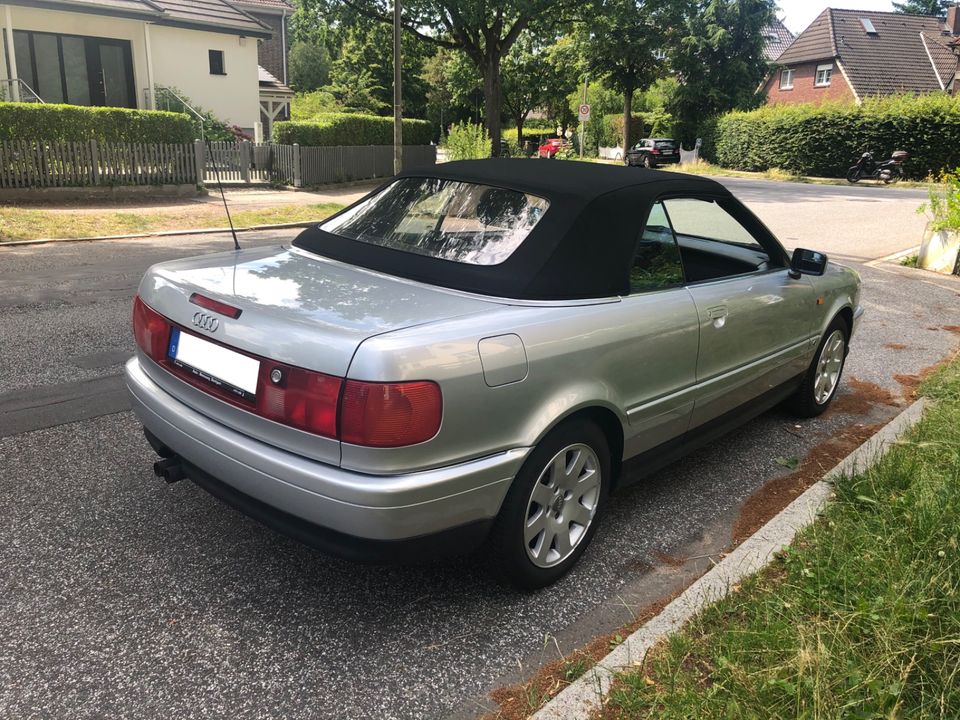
(718, 314)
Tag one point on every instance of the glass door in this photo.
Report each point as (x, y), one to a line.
(75, 69)
(113, 72)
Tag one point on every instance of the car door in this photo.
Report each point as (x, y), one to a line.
(756, 320)
(657, 375)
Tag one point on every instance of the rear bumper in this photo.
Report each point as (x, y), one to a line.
(293, 493)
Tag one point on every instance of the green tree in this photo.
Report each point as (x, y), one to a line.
(451, 83)
(484, 31)
(719, 55)
(524, 75)
(355, 77)
(309, 65)
(622, 41)
(563, 74)
(361, 76)
(937, 8)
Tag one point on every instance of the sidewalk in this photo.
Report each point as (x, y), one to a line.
(247, 198)
(249, 207)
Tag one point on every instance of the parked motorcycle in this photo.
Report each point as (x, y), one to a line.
(887, 172)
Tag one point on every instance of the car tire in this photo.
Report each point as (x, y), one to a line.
(648, 163)
(533, 544)
(822, 378)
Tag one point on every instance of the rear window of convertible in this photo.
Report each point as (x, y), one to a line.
(445, 219)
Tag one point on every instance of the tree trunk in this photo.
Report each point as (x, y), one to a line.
(520, 119)
(492, 98)
(627, 110)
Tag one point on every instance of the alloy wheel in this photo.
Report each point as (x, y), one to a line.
(829, 367)
(562, 505)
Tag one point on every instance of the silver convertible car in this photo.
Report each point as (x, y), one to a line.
(467, 356)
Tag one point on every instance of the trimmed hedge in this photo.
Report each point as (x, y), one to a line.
(73, 123)
(825, 140)
(350, 129)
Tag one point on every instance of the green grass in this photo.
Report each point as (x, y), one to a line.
(911, 261)
(860, 618)
(19, 223)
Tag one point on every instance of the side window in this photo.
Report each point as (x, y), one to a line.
(713, 244)
(656, 263)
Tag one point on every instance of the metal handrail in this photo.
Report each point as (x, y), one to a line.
(170, 100)
(22, 88)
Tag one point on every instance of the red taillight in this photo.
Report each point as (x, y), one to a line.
(655, 152)
(389, 414)
(371, 414)
(218, 307)
(151, 330)
(300, 398)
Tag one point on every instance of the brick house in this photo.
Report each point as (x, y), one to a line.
(777, 38)
(273, 51)
(847, 55)
(272, 54)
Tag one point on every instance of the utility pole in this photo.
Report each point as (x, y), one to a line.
(397, 103)
(583, 123)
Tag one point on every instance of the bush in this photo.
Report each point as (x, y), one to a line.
(944, 204)
(310, 105)
(348, 129)
(827, 139)
(467, 141)
(72, 123)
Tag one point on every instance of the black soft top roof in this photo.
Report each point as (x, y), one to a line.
(581, 248)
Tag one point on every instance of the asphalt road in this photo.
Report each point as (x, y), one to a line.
(122, 597)
(854, 222)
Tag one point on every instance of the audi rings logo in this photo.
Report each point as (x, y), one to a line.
(206, 322)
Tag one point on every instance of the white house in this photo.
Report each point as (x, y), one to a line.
(127, 53)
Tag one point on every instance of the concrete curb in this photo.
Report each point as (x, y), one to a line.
(163, 233)
(584, 697)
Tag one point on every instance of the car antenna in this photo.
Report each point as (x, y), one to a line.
(216, 170)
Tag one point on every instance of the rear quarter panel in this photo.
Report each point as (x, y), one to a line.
(613, 355)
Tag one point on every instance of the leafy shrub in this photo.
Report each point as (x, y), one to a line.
(467, 141)
(944, 203)
(349, 129)
(309, 105)
(613, 129)
(72, 123)
(827, 139)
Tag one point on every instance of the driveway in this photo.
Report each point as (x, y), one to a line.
(122, 597)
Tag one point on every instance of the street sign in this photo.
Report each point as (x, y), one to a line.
(584, 112)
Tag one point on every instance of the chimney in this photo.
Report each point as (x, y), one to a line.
(953, 21)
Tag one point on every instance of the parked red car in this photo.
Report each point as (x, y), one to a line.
(551, 147)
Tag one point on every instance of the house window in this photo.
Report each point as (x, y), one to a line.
(824, 73)
(786, 79)
(75, 69)
(216, 63)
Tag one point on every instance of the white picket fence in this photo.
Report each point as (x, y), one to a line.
(25, 164)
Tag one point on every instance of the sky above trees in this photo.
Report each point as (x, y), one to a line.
(797, 14)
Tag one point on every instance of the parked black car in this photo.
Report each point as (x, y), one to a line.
(652, 152)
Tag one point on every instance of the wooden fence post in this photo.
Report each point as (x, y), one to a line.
(245, 159)
(94, 162)
(200, 160)
(297, 169)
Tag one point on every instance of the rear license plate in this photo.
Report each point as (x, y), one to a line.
(228, 370)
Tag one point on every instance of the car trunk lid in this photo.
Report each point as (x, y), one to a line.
(295, 308)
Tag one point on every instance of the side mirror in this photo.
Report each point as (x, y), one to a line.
(807, 262)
